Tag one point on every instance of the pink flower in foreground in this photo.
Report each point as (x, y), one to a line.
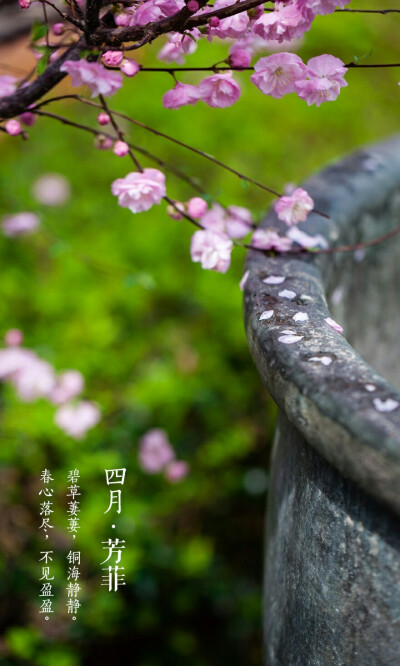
(20, 224)
(268, 239)
(285, 23)
(68, 385)
(100, 80)
(139, 191)
(325, 79)
(155, 451)
(176, 471)
(113, 58)
(220, 90)
(13, 127)
(294, 208)
(197, 207)
(14, 337)
(276, 74)
(233, 26)
(182, 95)
(8, 85)
(129, 67)
(212, 249)
(120, 148)
(76, 420)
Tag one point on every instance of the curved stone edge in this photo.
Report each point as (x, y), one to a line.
(329, 404)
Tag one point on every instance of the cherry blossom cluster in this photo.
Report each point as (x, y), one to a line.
(156, 455)
(34, 379)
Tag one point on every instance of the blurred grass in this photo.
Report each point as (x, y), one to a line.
(161, 344)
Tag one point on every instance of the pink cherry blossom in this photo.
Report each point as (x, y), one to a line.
(103, 118)
(305, 240)
(233, 26)
(214, 219)
(129, 67)
(14, 337)
(24, 4)
(13, 360)
(240, 58)
(76, 420)
(178, 46)
(285, 23)
(139, 191)
(324, 80)
(294, 208)
(197, 207)
(20, 224)
(170, 7)
(321, 6)
(36, 379)
(176, 470)
(8, 85)
(211, 248)
(146, 13)
(113, 58)
(220, 90)
(100, 80)
(238, 221)
(58, 29)
(276, 74)
(182, 95)
(121, 148)
(155, 451)
(268, 239)
(52, 189)
(68, 385)
(13, 127)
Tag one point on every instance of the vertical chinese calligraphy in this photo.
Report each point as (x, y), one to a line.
(46, 591)
(114, 576)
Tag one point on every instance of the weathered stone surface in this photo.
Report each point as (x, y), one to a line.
(332, 592)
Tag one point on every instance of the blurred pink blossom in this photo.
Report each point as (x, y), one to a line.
(8, 85)
(68, 385)
(155, 451)
(52, 189)
(176, 470)
(13, 337)
(76, 420)
(100, 80)
(212, 249)
(19, 224)
(181, 95)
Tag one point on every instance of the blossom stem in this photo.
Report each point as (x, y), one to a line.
(119, 132)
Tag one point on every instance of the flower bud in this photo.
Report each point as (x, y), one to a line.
(102, 142)
(103, 118)
(197, 207)
(120, 148)
(58, 29)
(129, 67)
(240, 58)
(113, 58)
(193, 6)
(28, 118)
(24, 4)
(13, 127)
(14, 337)
(214, 22)
(173, 213)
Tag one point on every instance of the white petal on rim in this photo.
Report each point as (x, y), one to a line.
(274, 279)
(333, 324)
(267, 314)
(388, 405)
(290, 339)
(244, 280)
(287, 293)
(325, 360)
(300, 316)
(370, 387)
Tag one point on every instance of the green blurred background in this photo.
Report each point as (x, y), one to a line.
(161, 344)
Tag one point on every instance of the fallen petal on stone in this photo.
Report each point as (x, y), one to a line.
(325, 360)
(300, 316)
(333, 324)
(287, 293)
(370, 387)
(267, 314)
(385, 405)
(274, 279)
(290, 339)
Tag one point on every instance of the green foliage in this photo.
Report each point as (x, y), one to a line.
(161, 344)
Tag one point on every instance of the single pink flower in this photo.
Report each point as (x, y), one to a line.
(100, 80)
(76, 420)
(233, 26)
(13, 127)
(268, 239)
(14, 337)
(139, 191)
(113, 58)
(20, 224)
(146, 13)
(58, 29)
(294, 208)
(36, 379)
(52, 189)
(220, 90)
(285, 23)
(277, 74)
(315, 7)
(8, 85)
(121, 148)
(197, 207)
(68, 385)
(211, 248)
(176, 470)
(324, 80)
(103, 118)
(155, 451)
(182, 95)
(129, 67)
(240, 58)
(178, 46)
(238, 221)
